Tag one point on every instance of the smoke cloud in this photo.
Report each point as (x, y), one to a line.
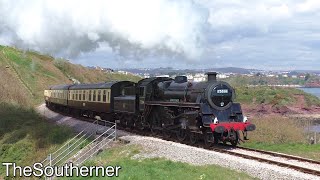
(130, 28)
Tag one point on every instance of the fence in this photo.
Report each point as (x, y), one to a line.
(84, 145)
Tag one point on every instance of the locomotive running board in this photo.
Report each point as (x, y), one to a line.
(174, 104)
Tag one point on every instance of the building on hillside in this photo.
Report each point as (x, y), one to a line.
(222, 76)
(198, 77)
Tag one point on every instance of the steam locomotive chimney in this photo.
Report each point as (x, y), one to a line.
(212, 76)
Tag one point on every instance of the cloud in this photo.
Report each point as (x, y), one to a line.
(180, 33)
(136, 28)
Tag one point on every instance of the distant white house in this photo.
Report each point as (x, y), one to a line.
(199, 77)
(123, 72)
(222, 76)
(164, 75)
(189, 77)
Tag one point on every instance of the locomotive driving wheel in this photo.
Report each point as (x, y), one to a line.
(193, 138)
(166, 133)
(154, 130)
(208, 138)
(138, 123)
(154, 127)
(181, 134)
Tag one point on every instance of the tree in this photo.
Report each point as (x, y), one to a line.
(307, 77)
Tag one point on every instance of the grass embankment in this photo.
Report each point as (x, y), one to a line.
(25, 137)
(282, 134)
(157, 168)
(240, 80)
(275, 96)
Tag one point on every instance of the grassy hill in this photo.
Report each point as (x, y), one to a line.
(25, 74)
(25, 137)
(275, 96)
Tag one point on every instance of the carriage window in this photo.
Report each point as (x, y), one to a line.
(104, 97)
(90, 95)
(83, 95)
(80, 95)
(108, 96)
(94, 95)
(99, 95)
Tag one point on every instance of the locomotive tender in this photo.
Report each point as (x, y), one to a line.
(173, 107)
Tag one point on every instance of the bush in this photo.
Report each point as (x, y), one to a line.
(277, 130)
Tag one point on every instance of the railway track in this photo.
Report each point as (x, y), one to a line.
(228, 149)
(293, 165)
(292, 162)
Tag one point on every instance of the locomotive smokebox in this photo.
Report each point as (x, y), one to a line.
(212, 76)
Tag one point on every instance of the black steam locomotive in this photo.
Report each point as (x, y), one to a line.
(190, 111)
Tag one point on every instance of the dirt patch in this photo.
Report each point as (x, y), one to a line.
(298, 108)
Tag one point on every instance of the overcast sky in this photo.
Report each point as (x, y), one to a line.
(268, 34)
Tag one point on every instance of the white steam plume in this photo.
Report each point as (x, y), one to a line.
(70, 27)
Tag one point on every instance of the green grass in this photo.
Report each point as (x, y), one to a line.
(282, 134)
(275, 96)
(298, 149)
(25, 137)
(157, 168)
(241, 80)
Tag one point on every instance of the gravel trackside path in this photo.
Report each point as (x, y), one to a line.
(155, 147)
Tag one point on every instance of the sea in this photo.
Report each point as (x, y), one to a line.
(316, 92)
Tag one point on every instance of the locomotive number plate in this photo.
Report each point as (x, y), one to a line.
(222, 91)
